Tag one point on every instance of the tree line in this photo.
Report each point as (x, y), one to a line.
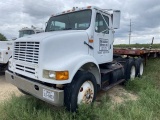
(2, 37)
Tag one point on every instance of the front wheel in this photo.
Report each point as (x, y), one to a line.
(82, 90)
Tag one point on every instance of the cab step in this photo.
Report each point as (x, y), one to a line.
(112, 85)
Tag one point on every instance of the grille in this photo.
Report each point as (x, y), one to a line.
(25, 69)
(26, 51)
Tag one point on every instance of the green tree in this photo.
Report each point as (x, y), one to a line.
(2, 37)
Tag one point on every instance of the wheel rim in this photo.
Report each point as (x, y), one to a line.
(86, 93)
(141, 69)
(133, 72)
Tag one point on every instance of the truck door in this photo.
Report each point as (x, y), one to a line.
(103, 48)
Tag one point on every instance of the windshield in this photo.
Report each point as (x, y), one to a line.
(25, 32)
(79, 20)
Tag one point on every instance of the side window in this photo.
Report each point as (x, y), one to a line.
(100, 23)
(81, 26)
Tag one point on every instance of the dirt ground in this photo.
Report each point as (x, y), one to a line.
(6, 89)
(117, 94)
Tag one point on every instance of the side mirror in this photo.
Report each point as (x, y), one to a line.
(116, 19)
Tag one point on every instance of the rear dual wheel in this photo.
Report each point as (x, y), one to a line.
(133, 72)
(139, 67)
(134, 68)
(130, 70)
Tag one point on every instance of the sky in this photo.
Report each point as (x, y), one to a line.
(144, 15)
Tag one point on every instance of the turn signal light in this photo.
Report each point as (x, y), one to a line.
(91, 41)
(62, 75)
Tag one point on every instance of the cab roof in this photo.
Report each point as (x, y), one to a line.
(83, 8)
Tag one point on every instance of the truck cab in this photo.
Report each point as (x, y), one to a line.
(5, 54)
(6, 47)
(71, 60)
(29, 31)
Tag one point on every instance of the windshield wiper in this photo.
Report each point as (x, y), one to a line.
(51, 30)
(67, 29)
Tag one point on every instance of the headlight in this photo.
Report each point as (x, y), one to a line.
(56, 75)
(51, 74)
(48, 74)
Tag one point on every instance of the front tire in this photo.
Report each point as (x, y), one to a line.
(82, 90)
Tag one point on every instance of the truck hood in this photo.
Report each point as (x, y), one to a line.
(41, 36)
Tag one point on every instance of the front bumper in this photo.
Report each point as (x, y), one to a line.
(35, 89)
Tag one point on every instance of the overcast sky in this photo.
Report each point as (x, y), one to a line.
(145, 16)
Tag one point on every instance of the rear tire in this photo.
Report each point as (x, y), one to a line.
(83, 89)
(130, 70)
(139, 67)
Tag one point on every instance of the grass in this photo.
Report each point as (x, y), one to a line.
(147, 107)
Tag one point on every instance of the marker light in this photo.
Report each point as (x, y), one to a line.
(62, 75)
(91, 41)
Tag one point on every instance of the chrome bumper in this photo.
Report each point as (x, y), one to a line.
(35, 89)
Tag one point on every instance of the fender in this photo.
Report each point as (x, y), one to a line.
(70, 64)
(82, 61)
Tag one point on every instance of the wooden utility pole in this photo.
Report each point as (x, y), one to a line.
(130, 31)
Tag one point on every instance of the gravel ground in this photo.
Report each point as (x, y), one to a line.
(6, 89)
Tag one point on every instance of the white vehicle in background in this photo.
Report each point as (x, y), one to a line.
(72, 59)
(7, 46)
(5, 54)
(29, 31)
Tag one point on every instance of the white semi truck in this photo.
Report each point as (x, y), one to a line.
(6, 46)
(5, 54)
(73, 58)
(29, 31)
